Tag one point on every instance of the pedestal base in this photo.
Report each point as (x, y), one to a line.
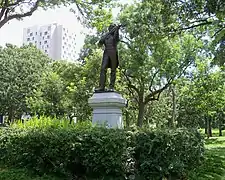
(107, 109)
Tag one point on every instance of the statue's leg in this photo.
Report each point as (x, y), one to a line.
(104, 66)
(113, 60)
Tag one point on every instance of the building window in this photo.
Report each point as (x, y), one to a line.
(46, 32)
(33, 38)
(28, 39)
(40, 34)
(48, 37)
(28, 31)
(46, 51)
(63, 38)
(35, 42)
(47, 46)
(36, 33)
(45, 42)
(40, 43)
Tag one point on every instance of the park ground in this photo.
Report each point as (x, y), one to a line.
(213, 167)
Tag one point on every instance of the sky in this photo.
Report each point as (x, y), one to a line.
(13, 31)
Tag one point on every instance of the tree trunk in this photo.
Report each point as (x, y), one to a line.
(71, 119)
(220, 126)
(11, 115)
(141, 114)
(127, 118)
(220, 131)
(206, 125)
(209, 127)
(172, 124)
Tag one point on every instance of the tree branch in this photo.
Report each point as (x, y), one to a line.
(155, 98)
(194, 26)
(3, 6)
(150, 96)
(218, 31)
(150, 86)
(15, 3)
(130, 83)
(18, 16)
(128, 45)
(2, 12)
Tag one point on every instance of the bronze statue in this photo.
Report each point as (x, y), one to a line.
(110, 57)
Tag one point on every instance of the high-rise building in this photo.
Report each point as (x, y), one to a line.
(57, 41)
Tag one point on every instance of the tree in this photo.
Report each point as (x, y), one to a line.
(19, 9)
(20, 71)
(152, 62)
(66, 88)
(201, 98)
(50, 98)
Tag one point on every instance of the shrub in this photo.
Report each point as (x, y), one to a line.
(93, 152)
(168, 153)
(22, 174)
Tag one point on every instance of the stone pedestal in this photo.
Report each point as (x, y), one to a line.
(107, 109)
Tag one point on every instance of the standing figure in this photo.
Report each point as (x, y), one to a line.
(110, 57)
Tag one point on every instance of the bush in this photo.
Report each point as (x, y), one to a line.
(93, 152)
(168, 153)
(22, 174)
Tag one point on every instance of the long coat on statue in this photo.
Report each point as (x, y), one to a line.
(110, 55)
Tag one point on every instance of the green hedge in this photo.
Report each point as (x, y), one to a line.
(97, 152)
(23, 174)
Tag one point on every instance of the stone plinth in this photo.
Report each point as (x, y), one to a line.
(107, 109)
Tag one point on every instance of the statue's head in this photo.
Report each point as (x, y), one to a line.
(111, 26)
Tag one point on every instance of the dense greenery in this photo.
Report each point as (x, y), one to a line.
(165, 67)
(21, 72)
(171, 71)
(49, 146)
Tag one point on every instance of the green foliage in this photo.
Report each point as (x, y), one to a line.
(168, 153)
(48, 99)
(44, 122)
(201, 96)
(21, 71)
(22, 174)
(64, 91)
(83, 150)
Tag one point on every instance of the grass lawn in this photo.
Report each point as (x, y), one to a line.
(213, 167)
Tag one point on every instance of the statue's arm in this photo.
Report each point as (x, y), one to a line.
(101, 41)
(116, 35)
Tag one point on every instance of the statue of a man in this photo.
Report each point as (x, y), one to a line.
(110, 57)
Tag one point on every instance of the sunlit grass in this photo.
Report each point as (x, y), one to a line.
(213, 167)
(42, 122)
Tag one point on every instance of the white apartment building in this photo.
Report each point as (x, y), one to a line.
(57, 41)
